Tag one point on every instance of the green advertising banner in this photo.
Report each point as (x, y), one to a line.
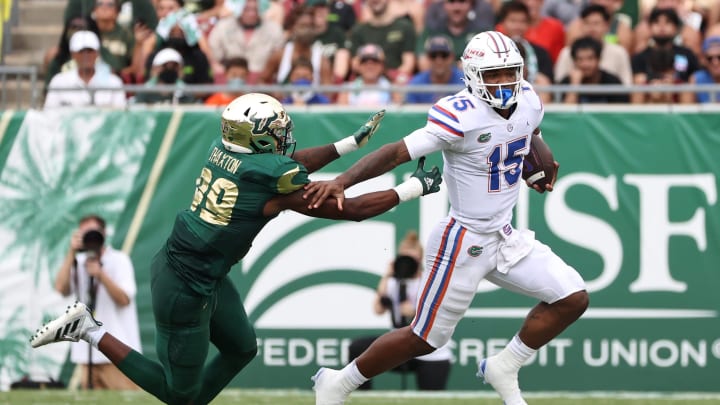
(634, 210)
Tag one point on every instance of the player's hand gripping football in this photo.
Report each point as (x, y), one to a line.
(430, 180)
(363, 135)
(549, 186)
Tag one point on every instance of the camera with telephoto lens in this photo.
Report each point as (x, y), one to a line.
(92, 243)
(405, 267)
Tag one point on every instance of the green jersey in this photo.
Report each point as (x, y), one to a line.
(226, 213)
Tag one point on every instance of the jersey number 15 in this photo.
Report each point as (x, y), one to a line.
(506, 159)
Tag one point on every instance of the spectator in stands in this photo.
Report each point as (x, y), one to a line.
(138, 11)
(343, 14)
(457, 27)
(57, 59)
(396, 36)
(661, 72)
(443, 71)
(167, 69)
(84, 47)
(302, 75)
(514, 21)
(247, 36)
(332, 38)
(116, 40)
(177, 22)
(196, 66)
(481, 17)
(545, 31)
(614, 58)
(566, 11)
(688, 34)
(236, 72)
(370, 68)
(621, 24)
(208, 12)
(663, 62)
(411, 10)
(300, 25)
(711, 73)
(619, 32)
(586, 70)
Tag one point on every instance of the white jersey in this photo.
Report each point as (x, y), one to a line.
(483, 154)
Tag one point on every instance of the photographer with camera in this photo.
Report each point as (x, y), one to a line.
(105, 279)
(397, 294)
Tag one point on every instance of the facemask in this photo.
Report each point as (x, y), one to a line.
(662, 40)
(168, 76)
(235, 82)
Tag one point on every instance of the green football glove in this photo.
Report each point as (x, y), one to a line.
(420, 183)
(430, 180)
(363, 135)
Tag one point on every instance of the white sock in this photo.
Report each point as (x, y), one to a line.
(93, 336)
(352, 377)
(518, 352)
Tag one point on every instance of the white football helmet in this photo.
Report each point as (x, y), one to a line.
(256, 123)
(492, 50)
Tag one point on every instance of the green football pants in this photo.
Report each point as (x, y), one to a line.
(186, 324)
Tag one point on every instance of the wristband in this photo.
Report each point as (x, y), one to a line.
(346, 145)
(409, 189)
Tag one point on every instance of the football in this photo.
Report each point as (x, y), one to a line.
(539, 164)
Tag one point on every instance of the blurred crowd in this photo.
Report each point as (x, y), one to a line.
(367, 46)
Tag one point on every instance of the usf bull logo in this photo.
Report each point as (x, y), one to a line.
(262, 126)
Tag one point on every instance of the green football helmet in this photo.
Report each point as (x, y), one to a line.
(256, 123)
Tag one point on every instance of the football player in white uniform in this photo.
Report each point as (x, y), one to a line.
(484, 132)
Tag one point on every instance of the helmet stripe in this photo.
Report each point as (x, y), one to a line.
(497, 49)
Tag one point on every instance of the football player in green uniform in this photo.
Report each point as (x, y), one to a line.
(247, 180)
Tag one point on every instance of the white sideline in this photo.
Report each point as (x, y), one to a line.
(491, 394)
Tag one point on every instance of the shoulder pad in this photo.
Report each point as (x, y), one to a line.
(447, 112)
(528, 94)
(289, 176)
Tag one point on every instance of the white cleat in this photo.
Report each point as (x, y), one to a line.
(328, 390)
(70, 326)
(503, 378)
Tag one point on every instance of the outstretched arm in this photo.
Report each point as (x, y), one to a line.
(381, 161)
(318, 157)
(365, 206)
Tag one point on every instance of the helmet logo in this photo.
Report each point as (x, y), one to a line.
(469, 53)
(262, 126)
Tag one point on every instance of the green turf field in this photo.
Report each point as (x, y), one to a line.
(277, 397)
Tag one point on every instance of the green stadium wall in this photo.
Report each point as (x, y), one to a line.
(635, 211)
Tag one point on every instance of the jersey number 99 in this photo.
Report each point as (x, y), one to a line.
(215, 198)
